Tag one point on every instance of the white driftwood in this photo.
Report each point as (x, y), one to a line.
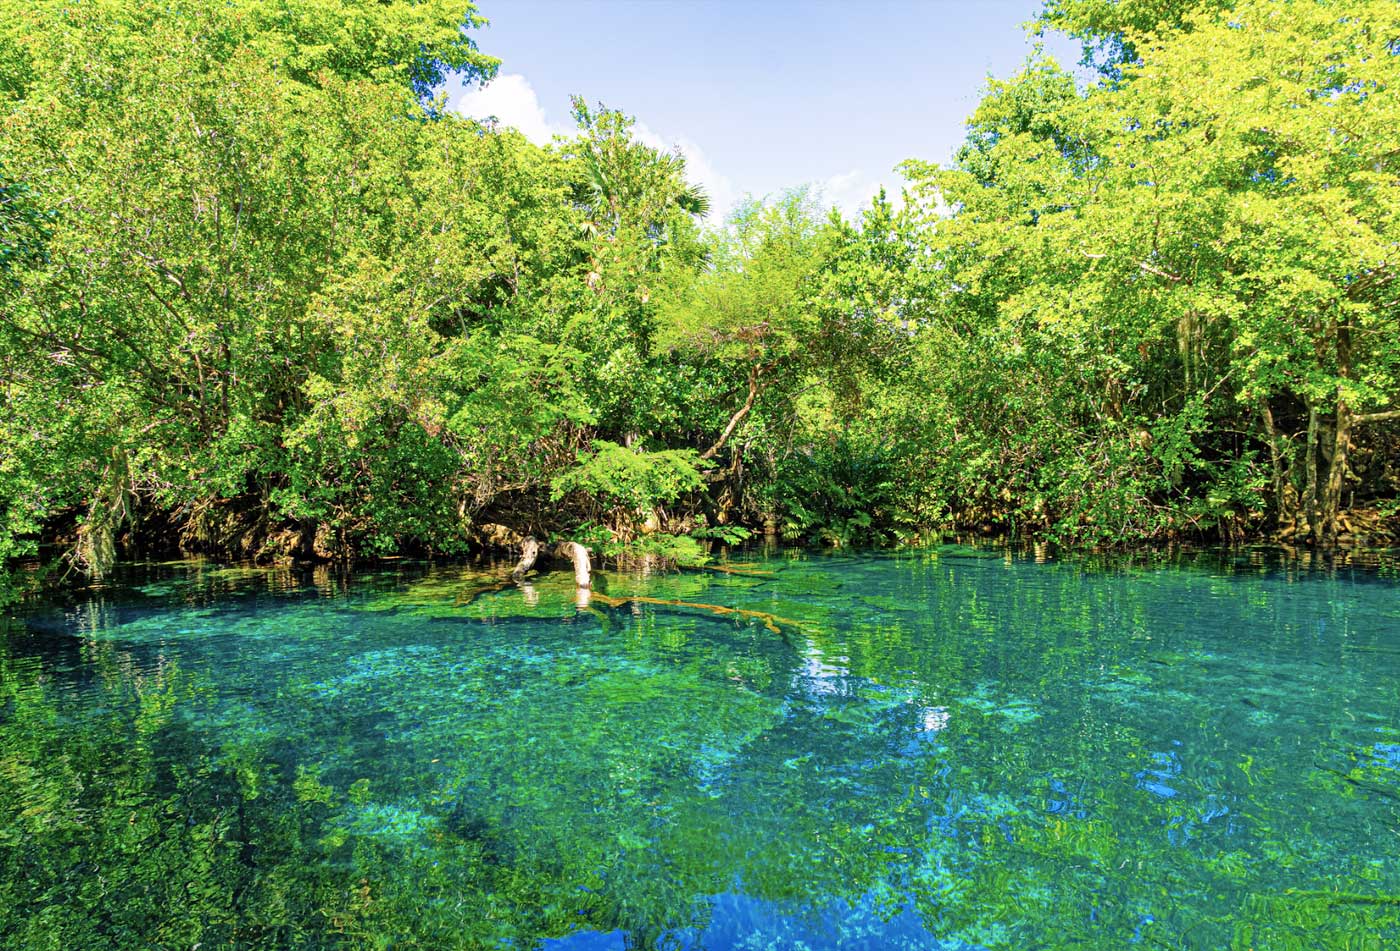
(578, 554)
(529, 551)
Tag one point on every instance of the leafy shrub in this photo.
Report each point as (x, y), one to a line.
(839, 494)
(658, 550)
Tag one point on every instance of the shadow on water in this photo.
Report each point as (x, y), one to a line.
(959, 748)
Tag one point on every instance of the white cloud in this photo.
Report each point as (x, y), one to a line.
(512, 101)
(854, 190)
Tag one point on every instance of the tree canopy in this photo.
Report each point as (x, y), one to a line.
(265, 297)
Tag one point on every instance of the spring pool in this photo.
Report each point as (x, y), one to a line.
(952, 749)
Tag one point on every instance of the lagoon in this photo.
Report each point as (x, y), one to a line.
(948, 749)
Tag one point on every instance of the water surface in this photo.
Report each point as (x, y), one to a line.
(945, 750)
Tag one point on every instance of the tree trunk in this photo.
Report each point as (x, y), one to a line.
(1336, 473)
(1310, 502)
(755, 374)
(1341, 434)
(1271, 434)
(1341, 438)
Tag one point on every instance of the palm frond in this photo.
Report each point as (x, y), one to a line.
(694, 200)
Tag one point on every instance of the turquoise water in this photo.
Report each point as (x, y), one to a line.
(945, 750)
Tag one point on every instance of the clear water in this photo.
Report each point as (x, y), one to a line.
(946, 750)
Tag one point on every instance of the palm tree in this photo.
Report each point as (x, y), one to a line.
(625, 183)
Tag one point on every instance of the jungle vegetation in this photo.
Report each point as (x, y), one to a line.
(263, 296)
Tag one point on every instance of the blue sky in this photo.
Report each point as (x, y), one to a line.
(760, 95)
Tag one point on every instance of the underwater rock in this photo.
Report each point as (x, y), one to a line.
(463, 821)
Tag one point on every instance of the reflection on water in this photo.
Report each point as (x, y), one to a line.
(943, 750)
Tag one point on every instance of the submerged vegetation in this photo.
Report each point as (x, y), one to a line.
(265, 296)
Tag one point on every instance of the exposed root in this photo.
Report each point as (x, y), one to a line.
(770, 621)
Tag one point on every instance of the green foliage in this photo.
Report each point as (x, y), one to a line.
(840, 493)
(24, 227)
(311, 306)
(725, 534)
(748, 305)
(1111, 30)
(630, 478)
(1147, 288)
(627, 184)
(657, 550)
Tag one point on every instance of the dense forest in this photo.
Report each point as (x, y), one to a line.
(263, 296)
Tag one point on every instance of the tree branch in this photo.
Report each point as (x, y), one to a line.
(1376, 417)
(754, 373)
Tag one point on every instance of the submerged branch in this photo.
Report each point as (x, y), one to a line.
(491, 587)
(770, 621)
(749, 573)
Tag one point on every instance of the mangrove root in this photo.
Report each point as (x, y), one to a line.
(572, 552)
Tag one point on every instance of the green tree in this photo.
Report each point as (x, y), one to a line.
(1166, 280)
